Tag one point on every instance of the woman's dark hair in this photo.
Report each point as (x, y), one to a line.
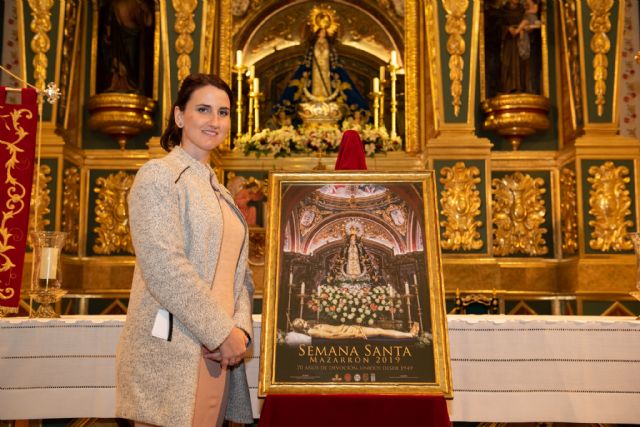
(172, 135)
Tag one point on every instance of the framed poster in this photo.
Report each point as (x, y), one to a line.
(354, 298)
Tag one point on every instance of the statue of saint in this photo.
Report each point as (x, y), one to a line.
(321, 78)
(513, 45)
(125, 61)
(354, 254)
(326, 331)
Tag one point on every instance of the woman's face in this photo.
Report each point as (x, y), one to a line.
(205, 121)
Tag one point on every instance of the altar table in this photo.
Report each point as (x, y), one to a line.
(505, 368)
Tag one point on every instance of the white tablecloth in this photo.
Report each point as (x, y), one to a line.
(505, 368)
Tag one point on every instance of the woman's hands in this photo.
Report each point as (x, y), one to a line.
(232, 350)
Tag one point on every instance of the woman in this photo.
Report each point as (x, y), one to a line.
(179, 359)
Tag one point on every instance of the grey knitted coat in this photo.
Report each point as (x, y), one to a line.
(176, 227)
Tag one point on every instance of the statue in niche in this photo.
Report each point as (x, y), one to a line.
(353, 266)
(125, 57)
(321, 78)
(513, 46)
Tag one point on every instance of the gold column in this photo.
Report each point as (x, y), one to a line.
(184, 27)
(600, 25)
(40, 44)
(456, 28)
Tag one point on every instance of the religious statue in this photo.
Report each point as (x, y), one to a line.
(354, 255)
(353, 266)
(321, 84)
(325, 331)
(513, 46)
(125, 57)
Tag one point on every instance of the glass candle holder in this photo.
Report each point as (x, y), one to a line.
(46, 272)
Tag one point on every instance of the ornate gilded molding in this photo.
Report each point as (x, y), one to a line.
(71, 207)
(518, 213)
(71, 27)
(432, 52)
(609, 204)
(40, 44)
(413, 104)
(40, 199)
(600, 44)
(184, 27)
(206, 44)
(112, 214)
(460, 201)
(568, 211)
(570, 22)
(456, 27)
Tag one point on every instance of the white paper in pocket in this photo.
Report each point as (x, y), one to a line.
(162, 325)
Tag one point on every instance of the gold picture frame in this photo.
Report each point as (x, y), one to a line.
(354, 297)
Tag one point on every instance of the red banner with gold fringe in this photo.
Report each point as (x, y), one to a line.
(18, 125)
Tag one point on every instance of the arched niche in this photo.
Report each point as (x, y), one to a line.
(271, 38)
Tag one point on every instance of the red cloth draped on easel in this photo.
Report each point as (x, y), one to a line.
(351, 154)
(18, 125)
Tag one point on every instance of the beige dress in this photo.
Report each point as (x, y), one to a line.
(211, 393)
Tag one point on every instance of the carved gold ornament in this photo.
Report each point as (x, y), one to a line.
(518, 213)
(40, 44)
(184, 27)
(600, 44)
(71, 208)
(40, 201)
(610, 203)
(456, 27)
(112, 214)
(568, 211)
(257, 244)
(460, 202)
(517, 115)
(15, 191)
(323, 17)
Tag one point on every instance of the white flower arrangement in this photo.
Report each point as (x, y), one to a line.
(360, 306)
(288, 140)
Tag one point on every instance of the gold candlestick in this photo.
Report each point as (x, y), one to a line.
(376, 102)
(256, 103)
(393, 68)
(251, 106)
(383, 81)
(239, 70)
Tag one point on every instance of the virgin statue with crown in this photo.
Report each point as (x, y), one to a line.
(320, 90)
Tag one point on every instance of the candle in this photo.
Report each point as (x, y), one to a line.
(390, 289)
(376, 84)
(382, 73)
(291, 277)
(252, 72)
(415, 279)
(256, 103)
(49, 263)
(239, 58)
(302, 288)
(406, 287)
(394, 58)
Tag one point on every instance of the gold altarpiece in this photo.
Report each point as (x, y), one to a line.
(536, 223)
